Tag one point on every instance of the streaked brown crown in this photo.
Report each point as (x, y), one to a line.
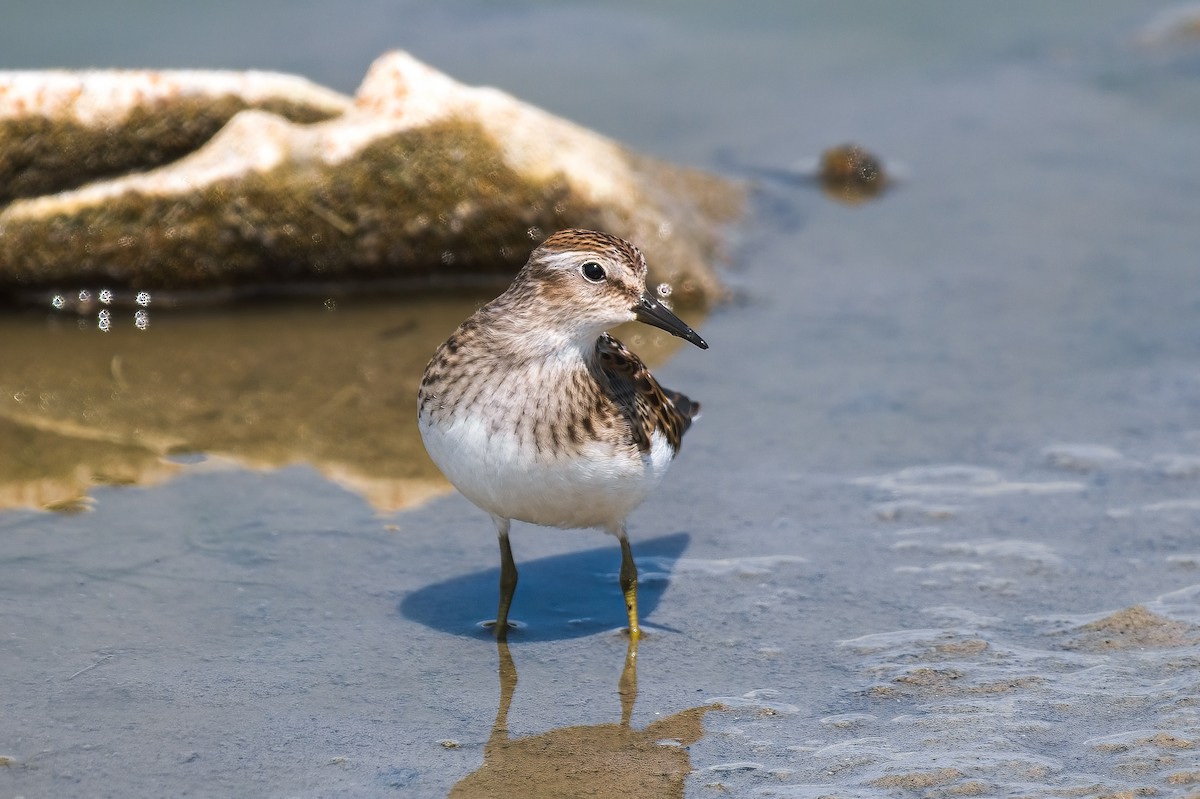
(595, 241)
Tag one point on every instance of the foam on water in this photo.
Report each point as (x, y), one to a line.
(1176, 465)
(1081, 457)
(1186, 506)
(966, 710)
(960, 480)
(751, 566)
(988, 699)
(759, 701)
(911, 510)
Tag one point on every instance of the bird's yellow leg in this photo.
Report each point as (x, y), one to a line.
(508, 580)
(629, 586)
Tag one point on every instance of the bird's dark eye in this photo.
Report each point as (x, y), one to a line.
(592, 271)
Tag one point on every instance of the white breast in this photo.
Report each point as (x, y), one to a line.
(507, 477)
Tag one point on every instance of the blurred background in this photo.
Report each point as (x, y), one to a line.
(640, 72)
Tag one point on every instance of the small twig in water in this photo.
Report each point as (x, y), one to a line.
(88, 668)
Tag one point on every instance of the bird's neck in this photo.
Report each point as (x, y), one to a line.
(524, 334)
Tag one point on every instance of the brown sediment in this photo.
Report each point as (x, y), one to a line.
(947, 682)
(917, 780)
(1162, 740)
(1167, 741)
(967, 646)
(1184, 778)
(1133, 627)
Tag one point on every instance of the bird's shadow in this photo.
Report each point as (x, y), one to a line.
(559, 597)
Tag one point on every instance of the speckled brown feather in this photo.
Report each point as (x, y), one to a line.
(614, 399)
(646, 405)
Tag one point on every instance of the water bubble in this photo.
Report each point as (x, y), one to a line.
(104, 320)
(535, 233)
(663, 289)
(141, 320)
(447, 257)
(85, 295)
(331, 304)
(58, 301)
(143, 298)
(106, 296)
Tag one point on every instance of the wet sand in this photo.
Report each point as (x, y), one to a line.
(935, 534)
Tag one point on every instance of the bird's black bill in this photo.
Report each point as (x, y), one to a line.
(653, 312)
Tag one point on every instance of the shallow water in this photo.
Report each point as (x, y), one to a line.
(934, 535)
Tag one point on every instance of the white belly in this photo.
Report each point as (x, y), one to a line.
(503, 476)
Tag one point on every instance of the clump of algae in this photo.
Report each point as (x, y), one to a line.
(44, 155)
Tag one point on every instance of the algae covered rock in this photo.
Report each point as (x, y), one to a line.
(422, 180)
(60, 129)
(852, 175)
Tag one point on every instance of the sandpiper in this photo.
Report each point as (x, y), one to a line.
(535, 413)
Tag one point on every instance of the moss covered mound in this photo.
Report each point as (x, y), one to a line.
(40, 155)
(422, 181)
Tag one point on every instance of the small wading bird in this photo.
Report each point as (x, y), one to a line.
(535, 413)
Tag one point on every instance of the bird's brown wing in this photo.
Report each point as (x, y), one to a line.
(646, 404)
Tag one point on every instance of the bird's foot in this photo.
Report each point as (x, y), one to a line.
(501, 632)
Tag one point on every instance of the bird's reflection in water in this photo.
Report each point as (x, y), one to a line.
(599, 760)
